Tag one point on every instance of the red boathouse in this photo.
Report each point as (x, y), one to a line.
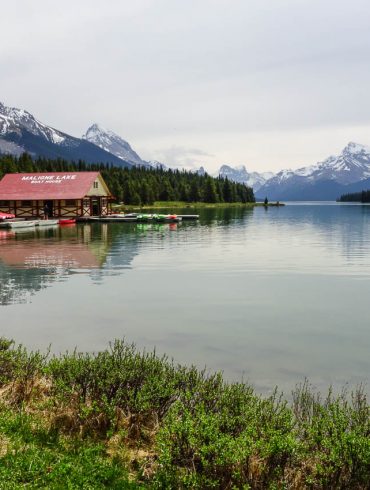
(67, 194)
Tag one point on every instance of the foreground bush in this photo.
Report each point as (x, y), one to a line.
(125, 419)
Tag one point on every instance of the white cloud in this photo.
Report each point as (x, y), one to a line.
(217, 75)
(181, 157)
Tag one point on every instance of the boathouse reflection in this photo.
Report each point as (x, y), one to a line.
(32, 261)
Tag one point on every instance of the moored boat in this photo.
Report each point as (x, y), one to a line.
(144, 218)
(120, 215)
(19, 224)
(67, 221)
(6, 216)
(130, 215)
(118, 219)
(48, 222)
(166, 218)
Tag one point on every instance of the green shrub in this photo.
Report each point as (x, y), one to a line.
(170, 426)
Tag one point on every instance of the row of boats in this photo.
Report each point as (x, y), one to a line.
(10, 221)
(21, 224)
(144, 218)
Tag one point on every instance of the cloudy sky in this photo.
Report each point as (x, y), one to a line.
(266, 83)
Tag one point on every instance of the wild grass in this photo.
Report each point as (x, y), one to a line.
(182, 204)
(122, 418)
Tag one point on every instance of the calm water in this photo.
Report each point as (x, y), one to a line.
(270, 296)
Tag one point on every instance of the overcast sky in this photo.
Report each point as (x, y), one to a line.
(266, 83)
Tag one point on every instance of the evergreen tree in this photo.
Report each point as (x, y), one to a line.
(209, 191)
(194, 194)
(141, 185)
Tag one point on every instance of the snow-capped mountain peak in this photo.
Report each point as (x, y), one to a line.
(94, 131)
(352, 165)
(13, 120)
(113, 143)
(356, 148)
(322, 180)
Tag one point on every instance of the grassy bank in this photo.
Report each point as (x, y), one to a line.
(126, 419)
(182, 205)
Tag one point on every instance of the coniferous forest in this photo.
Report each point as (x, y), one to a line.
(139, 185)
(363, 196)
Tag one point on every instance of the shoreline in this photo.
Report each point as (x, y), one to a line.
(197, 205)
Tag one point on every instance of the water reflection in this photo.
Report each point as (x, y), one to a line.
(31, 261)
(274, 295)
(330, 232)
(274, 239)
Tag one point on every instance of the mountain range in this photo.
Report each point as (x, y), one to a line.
(326, 180)
(348, 172)
(20, 131)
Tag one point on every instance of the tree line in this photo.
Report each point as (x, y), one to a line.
(363, 196)
(140, 185)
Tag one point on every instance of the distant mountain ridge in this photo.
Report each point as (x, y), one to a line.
(325, 180)
(241, 175)
(21, 132)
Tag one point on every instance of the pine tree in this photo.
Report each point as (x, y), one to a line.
(140, 185)
(209, 192)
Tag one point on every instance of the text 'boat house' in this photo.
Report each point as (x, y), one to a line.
(66, 194)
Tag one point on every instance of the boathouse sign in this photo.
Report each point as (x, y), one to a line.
(49, 179)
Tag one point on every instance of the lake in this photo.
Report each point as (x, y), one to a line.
(270, 296)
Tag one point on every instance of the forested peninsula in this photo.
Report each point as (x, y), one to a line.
(363, 196)
(140, 185)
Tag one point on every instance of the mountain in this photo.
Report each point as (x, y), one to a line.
(21, 132)
(240, 174)
(111, 142)
(201, 171)
(156, 164)
(325, 180)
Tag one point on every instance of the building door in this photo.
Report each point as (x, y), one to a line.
(95, 207)
(50, 205)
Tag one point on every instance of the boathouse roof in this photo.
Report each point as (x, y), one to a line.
(50, 185)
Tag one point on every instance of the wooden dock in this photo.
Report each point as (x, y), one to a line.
(134, 218)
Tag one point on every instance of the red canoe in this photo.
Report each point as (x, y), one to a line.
(6, 216)
(67, 221)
